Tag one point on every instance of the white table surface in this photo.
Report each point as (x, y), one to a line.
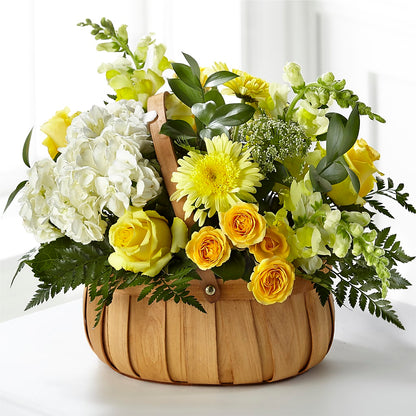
(48, 368)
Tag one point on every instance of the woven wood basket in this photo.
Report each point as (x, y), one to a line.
(238, 340)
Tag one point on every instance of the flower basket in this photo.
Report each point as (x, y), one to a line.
(238, 340)
(212, 249)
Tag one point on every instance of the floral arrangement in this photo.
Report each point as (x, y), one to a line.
(279, 188)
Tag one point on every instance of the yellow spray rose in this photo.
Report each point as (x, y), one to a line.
(143, 241)
(360, 159)
(272, 280)
(208, 248)
(55, 129)
(243, 225)
(274, 244)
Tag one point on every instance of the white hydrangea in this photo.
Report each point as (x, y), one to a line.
(101, 169)
(35, 201)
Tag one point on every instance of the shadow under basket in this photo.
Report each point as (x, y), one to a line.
(238, 340)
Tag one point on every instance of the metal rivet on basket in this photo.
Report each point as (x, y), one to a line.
(210, 290)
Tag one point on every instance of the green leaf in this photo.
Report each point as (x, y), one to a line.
(145, 291)
(379, 207)
(177, 128)
(211, 132)
(14, 193)
(185, 93)
(319, 184)
(322, 292)
(351, 131)
(381, 236)
(397, 281)
(334, 138)
(353, 296)
(354, 180)
(214, 95)
(218, 78)
(193, 64)
(263, 194)
(390, 240)
(204, 111)
(232, 115)
(25, 151)
(233, 268)
(24, 260)
(334, 173)
(341, 292)
(185, 73)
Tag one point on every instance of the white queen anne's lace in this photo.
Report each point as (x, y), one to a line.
(101, 168)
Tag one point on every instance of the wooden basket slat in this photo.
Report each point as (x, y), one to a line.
(284, 339)
(201, 345)
(263, 339)
(225, 365)
(96, 334)
(147, 340)
(322, 327)
(117, 335)
(303, 338)
(175, 341)
(237, 342)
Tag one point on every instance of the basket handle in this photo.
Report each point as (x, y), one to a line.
(166, 157)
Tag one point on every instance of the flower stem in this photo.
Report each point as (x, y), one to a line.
(291, 108)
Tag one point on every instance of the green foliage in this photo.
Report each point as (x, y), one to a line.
(213, 116)
(118, 39)
(25, 151)
(18, 188)
(332, 168)
(233, 268)
(393, 251)
(388, 189)
(25, 157)
(64, 264)
(178, 128)
(356, 284)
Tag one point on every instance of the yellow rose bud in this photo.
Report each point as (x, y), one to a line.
(55, 129)
(243, 225)
(143, 241)
(360, 159)
(208, 248)
(272, 280)
(274, 244)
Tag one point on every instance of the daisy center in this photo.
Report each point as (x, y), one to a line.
(215, 174)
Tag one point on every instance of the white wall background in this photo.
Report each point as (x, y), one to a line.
(47, 63)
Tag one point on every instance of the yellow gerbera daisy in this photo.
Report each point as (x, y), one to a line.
(215, 181)
(250, 89)
(245, 86)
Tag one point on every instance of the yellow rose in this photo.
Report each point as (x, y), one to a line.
(272, 280)
(55, 129)
(208, 248)
(243, 225)
(143, 241)
(274, 244)
(360, 159)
